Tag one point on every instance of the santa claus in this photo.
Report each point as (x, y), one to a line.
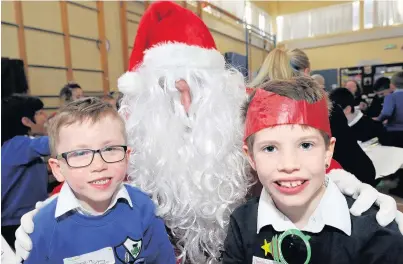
(182, 109)
(187, 141)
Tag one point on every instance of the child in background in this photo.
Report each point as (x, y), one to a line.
(362, 126)
(110, 100)
(392, 112)
(301, 216)
(70, 92)
(375, 99)
(95, 216)
(24, 176)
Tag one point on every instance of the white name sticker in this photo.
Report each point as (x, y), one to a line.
(102, 256)
(257, 260)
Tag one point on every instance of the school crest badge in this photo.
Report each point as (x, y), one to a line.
(128, 250)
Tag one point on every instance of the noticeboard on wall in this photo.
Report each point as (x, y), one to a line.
(351, 74)
(386, 70)
(366, 76)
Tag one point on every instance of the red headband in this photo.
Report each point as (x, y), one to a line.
(268, 109)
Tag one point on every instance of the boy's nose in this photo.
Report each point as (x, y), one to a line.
(98, 164)
(288, 162)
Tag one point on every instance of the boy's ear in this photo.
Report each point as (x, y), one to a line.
(249, 156)
(330, 150)
(128, 153)
(27, 122)
(56, 170)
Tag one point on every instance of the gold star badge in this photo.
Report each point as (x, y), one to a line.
(266, 247)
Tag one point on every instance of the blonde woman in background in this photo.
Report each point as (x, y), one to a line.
(283, 64)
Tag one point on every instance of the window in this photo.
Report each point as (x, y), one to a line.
(321, 21)
(237, 8)
(280, 28)
(368, 14)
(258, 18)
(262, 24)
(356, 15)
(242, 9)
(248, 14)
(382, 13)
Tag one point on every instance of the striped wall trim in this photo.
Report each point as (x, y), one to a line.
(87, 70)
(9, 24)
(84, 38)
(134, 13)
(133, 21)
(47, 67)
(82, 6)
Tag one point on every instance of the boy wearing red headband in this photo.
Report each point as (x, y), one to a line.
(301, 216)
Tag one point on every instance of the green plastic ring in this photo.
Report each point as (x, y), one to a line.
(299, 234)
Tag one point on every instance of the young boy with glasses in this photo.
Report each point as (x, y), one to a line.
(301, 216)
(96, 218)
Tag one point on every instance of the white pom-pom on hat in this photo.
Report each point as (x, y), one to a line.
(130, 83)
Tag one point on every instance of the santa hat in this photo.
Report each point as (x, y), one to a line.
(170, 36)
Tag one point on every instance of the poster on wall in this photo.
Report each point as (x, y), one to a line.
(351, 74)
(367, 75)
(386, 70)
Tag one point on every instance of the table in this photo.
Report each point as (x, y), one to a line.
(386, 160)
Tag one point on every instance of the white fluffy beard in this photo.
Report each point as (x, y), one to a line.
(192, 164)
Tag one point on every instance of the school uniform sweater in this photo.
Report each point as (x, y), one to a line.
(124, 234)
(24, 176)
(358, 240)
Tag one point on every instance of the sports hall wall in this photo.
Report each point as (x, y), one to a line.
(58, 40)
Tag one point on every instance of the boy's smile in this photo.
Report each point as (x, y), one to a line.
(291, 186)
(101, 183)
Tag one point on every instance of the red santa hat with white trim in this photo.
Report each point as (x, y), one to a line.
(170, 36)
